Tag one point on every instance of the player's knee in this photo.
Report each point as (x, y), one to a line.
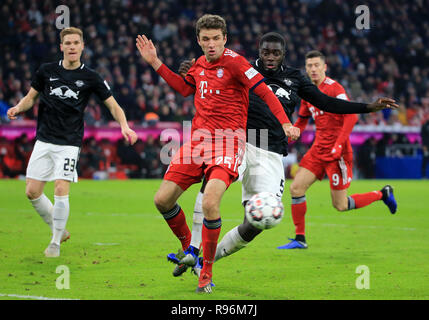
(210, 208)
(340, 206)
(61, 190)
(296, 190)
(162, 203)
(32, 194)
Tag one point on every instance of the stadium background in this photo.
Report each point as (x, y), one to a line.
(389, 59)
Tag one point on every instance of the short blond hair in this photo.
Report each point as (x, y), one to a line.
(70, 30)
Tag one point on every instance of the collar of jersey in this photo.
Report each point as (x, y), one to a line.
(60, 63)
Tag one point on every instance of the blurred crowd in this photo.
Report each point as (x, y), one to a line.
(388, 59)
(97, 159)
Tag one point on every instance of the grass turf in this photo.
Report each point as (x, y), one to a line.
(119, 243)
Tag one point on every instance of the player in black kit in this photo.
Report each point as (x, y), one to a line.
(64, 88)
(262, 168)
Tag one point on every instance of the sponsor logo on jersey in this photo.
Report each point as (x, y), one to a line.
(202, 73)
(203, 89)
(219, 72)
(79, 83)
(64, 92)
(251, 73)
(315, 112)
(53, 79)
(280, 92)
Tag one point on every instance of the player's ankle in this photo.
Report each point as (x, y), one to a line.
(300, 237)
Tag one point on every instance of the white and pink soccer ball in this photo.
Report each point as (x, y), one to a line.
(264, 210)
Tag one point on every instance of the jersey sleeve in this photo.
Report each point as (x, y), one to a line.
(176, 81)
(349, 120)
(101, 88)
(304, 111)
(189, 78)
(309, 92)
(339, 92)
(38, 81)
(246, 74)
(304, 115)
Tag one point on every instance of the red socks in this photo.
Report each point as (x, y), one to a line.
(355, 201)
(360, 200)
(177, 222)
(210, 236)
(299, 208)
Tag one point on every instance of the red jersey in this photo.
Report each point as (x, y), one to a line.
(222, 91)
(330, 127)
(221, 98)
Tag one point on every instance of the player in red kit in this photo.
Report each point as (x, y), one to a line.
(330, 154)
(220, 81)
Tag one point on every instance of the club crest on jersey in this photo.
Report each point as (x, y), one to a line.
(79, 83)
(219, 72)
(287, 82)
(64, 92)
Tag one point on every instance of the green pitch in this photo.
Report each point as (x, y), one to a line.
(119, 244)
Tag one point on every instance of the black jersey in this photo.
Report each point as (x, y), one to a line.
(64, 95)
(289, 85)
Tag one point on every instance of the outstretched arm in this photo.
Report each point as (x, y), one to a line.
(324, 102)
(119, 115)
(24, 104)
(148, 52)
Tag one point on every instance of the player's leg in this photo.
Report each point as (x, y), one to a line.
(236, 239)
(340, 175)
(166, 203)
(211, 229)
(64, 159)
(180, 175)
(39, 201)
(303, 180)
(189, 257)
(342, 202)
(61, 210)
(218, 180)
(198, 217)
(261, 171)
(60, 215)
(39, 170)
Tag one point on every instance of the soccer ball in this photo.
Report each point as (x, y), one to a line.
(264, 210)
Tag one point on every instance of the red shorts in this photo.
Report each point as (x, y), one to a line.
(339, 172)
(192, 162)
